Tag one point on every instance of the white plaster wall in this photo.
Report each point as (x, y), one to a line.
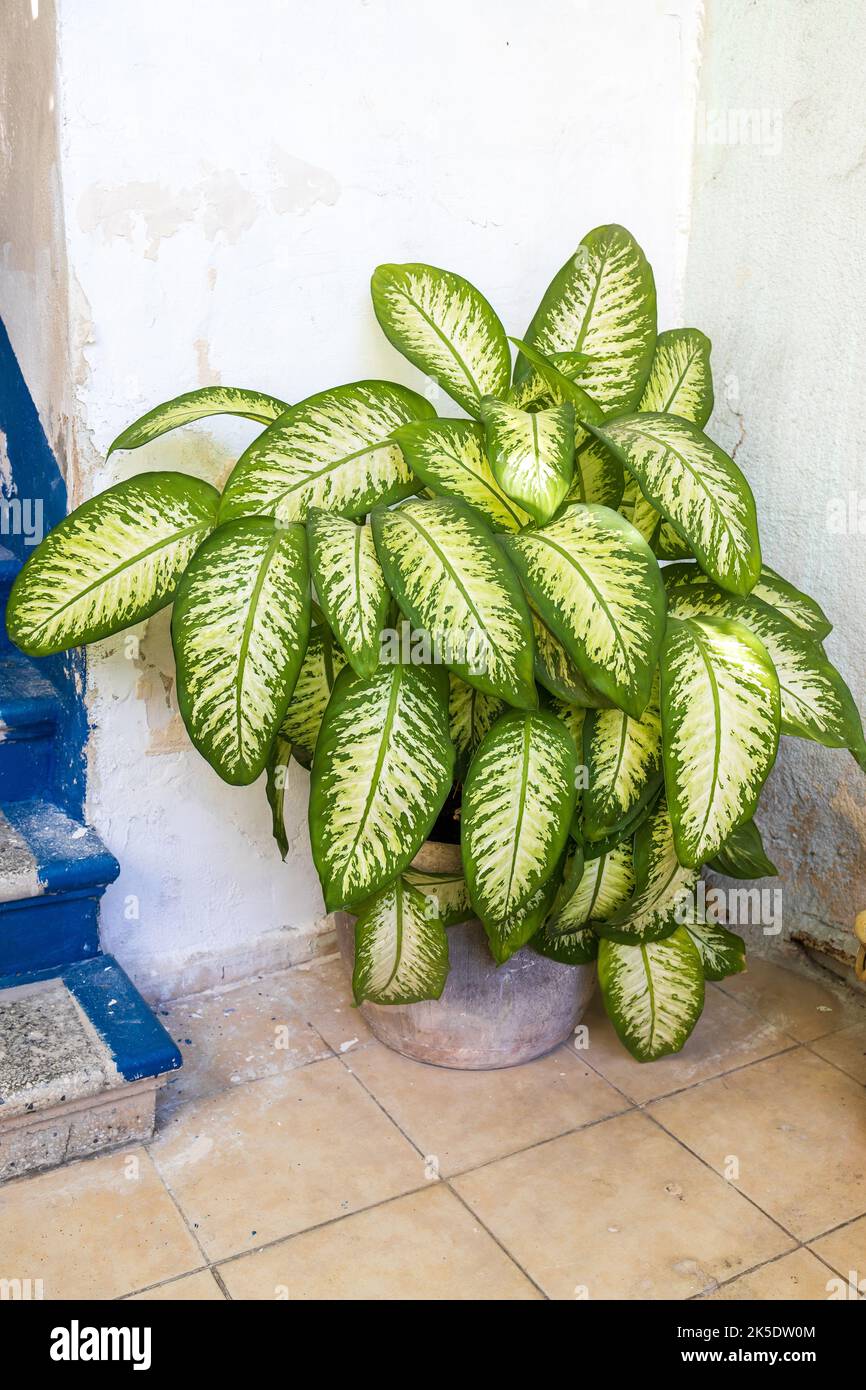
(33, 298)
(777, 278)
(232, 174)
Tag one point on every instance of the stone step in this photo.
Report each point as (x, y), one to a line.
(53, 872)
(30, 711)
(81, 1056)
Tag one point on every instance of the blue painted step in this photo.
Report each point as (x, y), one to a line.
(53, 872)
(30, 712)
(9, 567)
(138, 1042)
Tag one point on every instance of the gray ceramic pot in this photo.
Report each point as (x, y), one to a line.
(488, 1016)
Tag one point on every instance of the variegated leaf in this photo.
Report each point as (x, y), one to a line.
(624, 765)
(447, 895)
(450, 578)
(680, 383)
(597, 586)
(524, 923)
(517, 805)
(112, 562)
(598, 476)
(381, 771)
(626, 830)
(197, 405)
(722, 952)
(605, 884)
(557, 672)
(560, 388)
(693, 483)
(815, 701)
(239, 628)
(332, 451)
(532, 455)
(323, 662)
(602, 303)
(742, 855)
(653, 992)
(350, 585)
(578, 947)
(446, 327)
(663, 886)
(573, 717)
(471, 713)
(792, 603)
(401, 951)
(448, 455)
(720, 718)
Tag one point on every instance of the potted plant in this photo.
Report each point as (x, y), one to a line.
(543, 630)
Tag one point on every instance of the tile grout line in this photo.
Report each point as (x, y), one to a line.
(446, 1182)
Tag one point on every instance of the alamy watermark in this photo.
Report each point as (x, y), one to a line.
(758, 126)
(417, 646)
(22, 516)
(732, 907)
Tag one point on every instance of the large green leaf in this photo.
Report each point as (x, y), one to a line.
(401, 951)
(112, 562)
(350, 585)
(557, 672)
(742, 855)
(720, 717)
(239, 628)
(560, 389)
(445, 327)
(332, 451)
(653, 993)
(701, 491)
(517, 805)
(597, 585)
(815, 701)
(602, 303)
(624, 765)
(602, 887)
(663, 886)
(680, 383)
(197, 405)
(448, 455)
(450, 578)
(323, 662)
(471, 714)
(532, 455)
(381, 771)
(722, 952)
(524, 923)
(574, 718)
(446, 893)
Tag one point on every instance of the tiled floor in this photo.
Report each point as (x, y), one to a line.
(297, 1158)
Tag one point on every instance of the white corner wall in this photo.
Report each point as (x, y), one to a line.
(777, 278)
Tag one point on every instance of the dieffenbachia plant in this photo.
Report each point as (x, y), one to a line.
(604, 721)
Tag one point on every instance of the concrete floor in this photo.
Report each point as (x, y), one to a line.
(296, 1158)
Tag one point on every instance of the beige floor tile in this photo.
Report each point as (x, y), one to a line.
(727, 1036)
(845, 1251)
(321, 991)
(273, 1157)
(237, 1034)
(425, 1246)
(193, 1288)
(846, 1049)
(802, 1007)
(94, 1229)
(619, 1211)
(796, 1276)
(463, 1118)
(797, 1129)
